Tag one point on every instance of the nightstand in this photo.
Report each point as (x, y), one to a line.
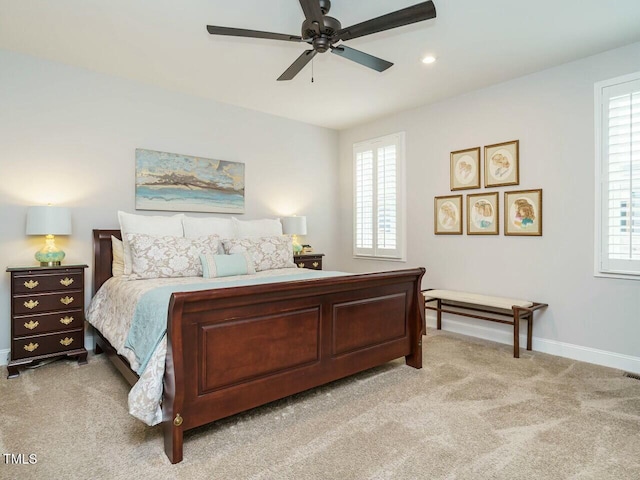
(47, 314)
(309, 260)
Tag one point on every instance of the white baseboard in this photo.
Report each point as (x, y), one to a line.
(4, 357)
(88, 344)
(627, 363)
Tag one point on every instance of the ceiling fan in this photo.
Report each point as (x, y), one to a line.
(323, 33)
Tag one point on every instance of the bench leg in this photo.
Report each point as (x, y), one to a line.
(529, 330)
(516, 333)
(439, 316)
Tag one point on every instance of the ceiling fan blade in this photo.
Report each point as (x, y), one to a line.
(362, 58)
(298, 65)
(313, 13)
(241, 32)
(406, 16)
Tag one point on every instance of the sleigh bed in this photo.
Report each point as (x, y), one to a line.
(233, 349)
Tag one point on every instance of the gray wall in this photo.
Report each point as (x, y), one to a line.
(552, 114)
(68, 136)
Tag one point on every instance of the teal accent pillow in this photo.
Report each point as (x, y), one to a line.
(226, 265)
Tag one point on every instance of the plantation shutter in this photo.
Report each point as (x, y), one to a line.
(379, 198)
(620, 178)
(364, 202)
(387, 199)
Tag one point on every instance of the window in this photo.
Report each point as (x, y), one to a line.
(618, 177)
(379, 198)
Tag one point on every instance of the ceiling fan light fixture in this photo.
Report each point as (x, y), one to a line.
(429, 59)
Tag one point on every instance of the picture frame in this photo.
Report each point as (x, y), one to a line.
(184, 183)
(464, 170)
(447, 217)
(483, 214)
(523, 212)
(502, 164)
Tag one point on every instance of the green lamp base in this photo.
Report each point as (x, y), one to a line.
(49, 255)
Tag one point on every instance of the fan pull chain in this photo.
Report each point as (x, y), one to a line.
(312, 70)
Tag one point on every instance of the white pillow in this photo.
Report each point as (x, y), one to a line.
(199, 227)
(267, 252)
(265, 227)
(157, 226)
(162, 257)
(117, 249)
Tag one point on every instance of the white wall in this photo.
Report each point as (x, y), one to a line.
(552, 114)
(68, 136)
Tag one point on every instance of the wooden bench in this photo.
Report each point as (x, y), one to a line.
(490, 308)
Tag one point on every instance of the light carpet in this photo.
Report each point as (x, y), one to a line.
(472, 412)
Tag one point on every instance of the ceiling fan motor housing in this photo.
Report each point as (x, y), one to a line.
(322, 41)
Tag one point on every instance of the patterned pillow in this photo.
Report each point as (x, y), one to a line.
(267, 252)
(156, 225)
(157, 257)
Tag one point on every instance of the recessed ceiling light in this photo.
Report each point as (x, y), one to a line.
(429, 59)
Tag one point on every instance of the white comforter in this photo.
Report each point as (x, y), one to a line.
(111, 311)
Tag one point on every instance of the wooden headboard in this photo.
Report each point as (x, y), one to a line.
(102, 256)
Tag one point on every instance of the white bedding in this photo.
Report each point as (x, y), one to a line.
(111, 311)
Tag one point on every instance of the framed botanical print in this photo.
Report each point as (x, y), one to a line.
(501, 164)
(483, 214)
(465, 169)
(523, 212)
(448, 215)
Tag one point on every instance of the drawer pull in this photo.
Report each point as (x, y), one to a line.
(66, 341)
(31, 304)
(301, 264)
(31, 284)
(66, 320)
(66, 300)
(31, 347)
(31, 325)
(315, 264)
(66, 281)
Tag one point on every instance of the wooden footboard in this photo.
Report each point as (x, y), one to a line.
(233, 349)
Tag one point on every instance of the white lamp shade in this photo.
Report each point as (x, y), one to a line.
(294, 225)
(48, 220)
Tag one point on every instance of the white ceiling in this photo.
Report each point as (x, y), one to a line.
(165, 42)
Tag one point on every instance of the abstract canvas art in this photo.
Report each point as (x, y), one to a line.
(174, 182)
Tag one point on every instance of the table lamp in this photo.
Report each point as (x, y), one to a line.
(295, 226)
(49, 221)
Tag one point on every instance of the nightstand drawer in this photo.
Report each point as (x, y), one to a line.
(46, 302)
(314, 262)
(47, 282)
(46, 344)
(47, 322)
(314, 265)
